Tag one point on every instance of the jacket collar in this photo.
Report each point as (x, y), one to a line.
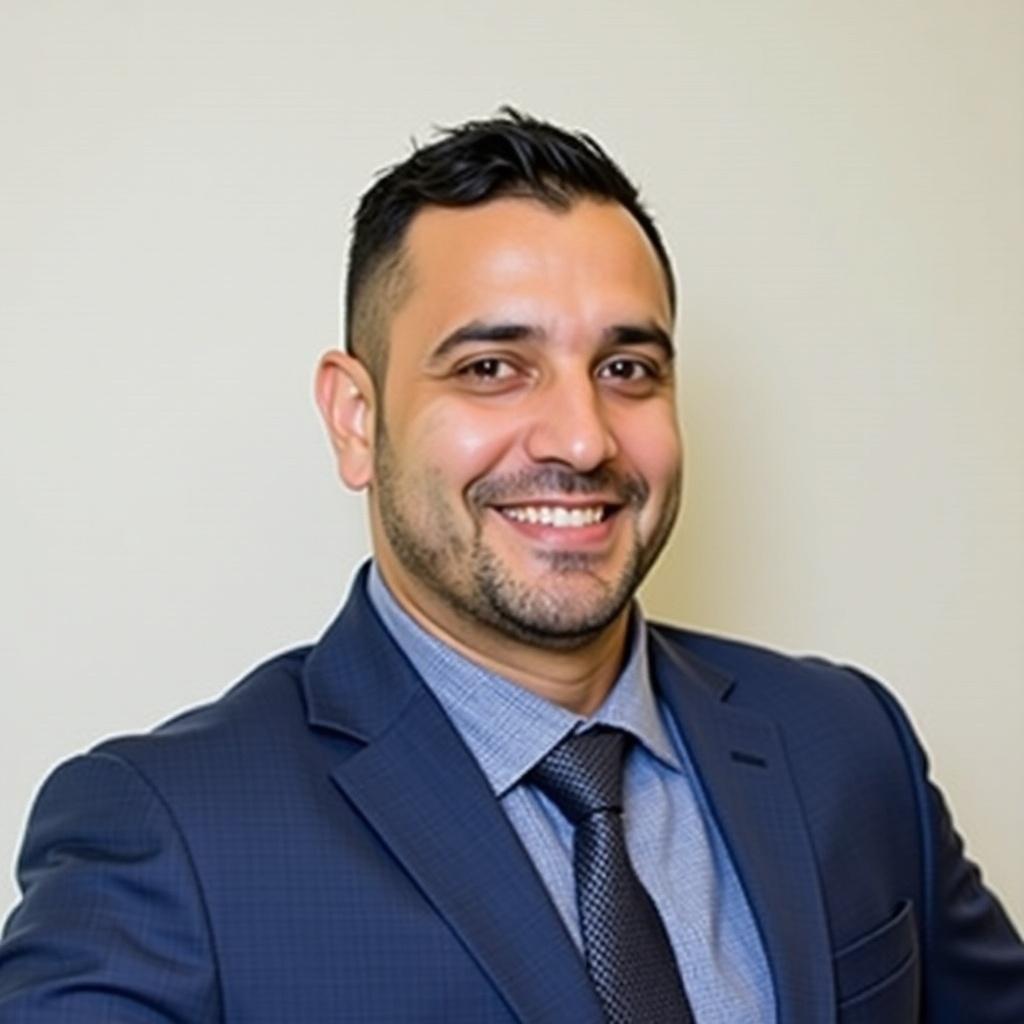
(417, 786)
(741, 763)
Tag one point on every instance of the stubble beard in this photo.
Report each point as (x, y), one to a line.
(471, 579)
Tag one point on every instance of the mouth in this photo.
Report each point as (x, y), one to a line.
(561, 526)
(559, 517)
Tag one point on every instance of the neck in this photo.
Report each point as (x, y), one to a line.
(578, 679)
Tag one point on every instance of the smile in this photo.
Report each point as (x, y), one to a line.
(556, 515)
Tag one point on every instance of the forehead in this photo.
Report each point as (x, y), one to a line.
(511, 245)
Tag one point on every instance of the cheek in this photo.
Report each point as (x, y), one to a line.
(464, 442)
(653, 445)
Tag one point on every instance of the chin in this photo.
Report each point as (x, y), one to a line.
(558, 609)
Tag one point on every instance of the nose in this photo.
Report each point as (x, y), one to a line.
(571, 425)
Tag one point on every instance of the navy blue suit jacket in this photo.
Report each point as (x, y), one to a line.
(318, 845)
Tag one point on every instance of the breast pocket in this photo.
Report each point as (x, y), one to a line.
(878, 975)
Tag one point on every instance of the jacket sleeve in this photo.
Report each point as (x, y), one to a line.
(111, 926)
(973, 956)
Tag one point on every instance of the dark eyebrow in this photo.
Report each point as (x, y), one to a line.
(480, 330)
(642, 334)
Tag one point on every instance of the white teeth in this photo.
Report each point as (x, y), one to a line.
(556, 515)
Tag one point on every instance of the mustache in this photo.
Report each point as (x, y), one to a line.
(557, 480)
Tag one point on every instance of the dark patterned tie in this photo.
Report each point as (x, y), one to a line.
(628, 954)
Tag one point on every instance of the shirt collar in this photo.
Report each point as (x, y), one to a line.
(507, 728)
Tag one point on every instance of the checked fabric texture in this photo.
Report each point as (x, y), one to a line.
(628, 954)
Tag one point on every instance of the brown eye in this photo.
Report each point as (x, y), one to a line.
(489, 373)
(626, 369)
(487, 369)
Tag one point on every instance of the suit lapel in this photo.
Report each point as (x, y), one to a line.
(742, 766)
(417, 786)
(420, 789)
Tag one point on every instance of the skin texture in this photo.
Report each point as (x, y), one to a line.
(529, 364)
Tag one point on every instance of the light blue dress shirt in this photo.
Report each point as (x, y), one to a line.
(672, 840)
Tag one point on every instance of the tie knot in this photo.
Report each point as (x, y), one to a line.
(583, 774)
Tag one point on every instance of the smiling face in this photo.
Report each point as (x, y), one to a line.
(526, 456)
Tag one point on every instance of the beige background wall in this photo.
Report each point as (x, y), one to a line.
(842, 184)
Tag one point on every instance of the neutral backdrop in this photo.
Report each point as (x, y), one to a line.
(842, 185)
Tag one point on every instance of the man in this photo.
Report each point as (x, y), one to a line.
(492, 792)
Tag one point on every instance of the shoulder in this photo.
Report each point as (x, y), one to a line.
(840, 741)
(230, 746)
(845, 738)
(794, 690)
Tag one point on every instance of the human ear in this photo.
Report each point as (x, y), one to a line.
(345, 396)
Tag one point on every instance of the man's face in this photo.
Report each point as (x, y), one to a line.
(527, 463)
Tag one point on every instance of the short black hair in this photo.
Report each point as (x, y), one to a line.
(511, 154)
